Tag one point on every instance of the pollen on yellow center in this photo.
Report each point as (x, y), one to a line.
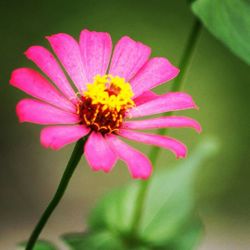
(112, 92)
(104, 103)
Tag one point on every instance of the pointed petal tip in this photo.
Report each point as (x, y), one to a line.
(30, 51)
(85, 30)
(97, 168)
(48, 37)
(183, 154)
(53, 36)
(100, 168)
(175, 71)
(47, 146)
(192, 102)
(141, 177)
(198, 128)
(20, 120)
(90, 31)
(19, 111)
(13, 77)
(26, 52)
(19, 117)
(106, 171)
(44, 142)
(143, 173)
(178, 157)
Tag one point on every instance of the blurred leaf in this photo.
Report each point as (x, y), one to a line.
(101, 240)
(229, 21)
(114, 212)
(40, 245)
(168, 207)
(188, 238)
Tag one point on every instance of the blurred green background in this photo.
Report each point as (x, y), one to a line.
(218, 81)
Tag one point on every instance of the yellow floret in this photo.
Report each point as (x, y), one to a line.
(99, 91)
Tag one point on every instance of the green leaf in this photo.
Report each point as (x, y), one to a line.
(188, 237)
(168, 207)
(100, 240)
(40, 245)
(114, 212)
(229, 21)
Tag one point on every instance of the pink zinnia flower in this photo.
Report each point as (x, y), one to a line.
(103, 102)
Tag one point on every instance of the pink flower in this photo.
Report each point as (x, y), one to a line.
(102, 103)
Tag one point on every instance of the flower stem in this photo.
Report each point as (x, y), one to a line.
(154, 153)
(70, 168)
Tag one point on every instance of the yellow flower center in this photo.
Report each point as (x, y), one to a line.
(105, 102)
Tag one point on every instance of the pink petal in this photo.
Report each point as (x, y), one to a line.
(30, 110)
(175, 146)
(164, 122)
(155, 72)
(138, 164)
(48, 64)
(96, 48)
(164, 103)
(57, 137)
(98, 153)
(145, 97)
(128, 58)
(67, 50)
(31, 82)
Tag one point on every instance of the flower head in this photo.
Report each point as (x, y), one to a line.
(103, 105)
(103, 99)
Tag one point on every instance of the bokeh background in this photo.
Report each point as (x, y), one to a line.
(218, 81)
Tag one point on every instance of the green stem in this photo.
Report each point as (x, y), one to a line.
(70, 168)
(154, 153)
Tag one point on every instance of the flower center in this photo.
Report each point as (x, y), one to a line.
(105, 102)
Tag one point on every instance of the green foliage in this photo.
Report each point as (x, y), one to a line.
(98, 240)
(169, 208)
(229, 21)
(188, 237)
(101, 240)
(115, 211)
(40, 245)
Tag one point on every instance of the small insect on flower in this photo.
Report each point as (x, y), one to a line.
(103, 99)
